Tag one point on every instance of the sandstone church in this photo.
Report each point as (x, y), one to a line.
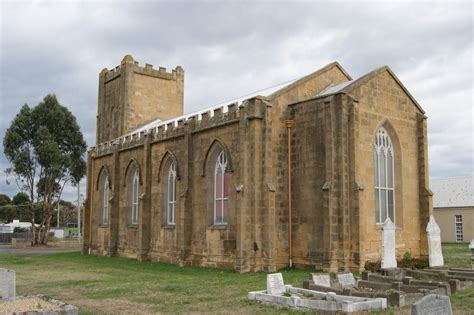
(300, 174)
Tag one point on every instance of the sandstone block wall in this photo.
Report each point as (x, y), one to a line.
(332, 170)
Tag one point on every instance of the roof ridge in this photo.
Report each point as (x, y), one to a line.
(309, 76)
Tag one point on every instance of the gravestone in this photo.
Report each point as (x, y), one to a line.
(346, 279)
(275, 284)
(321, 279)
(7, 284)
(388, 245)
(432, 304)
(434, 243)
(471, 247)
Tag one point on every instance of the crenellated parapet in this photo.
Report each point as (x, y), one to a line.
(148, 70)
(209, 118)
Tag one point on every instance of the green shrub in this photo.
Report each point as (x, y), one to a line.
(373, 266)
(20, 230)
(406, 262)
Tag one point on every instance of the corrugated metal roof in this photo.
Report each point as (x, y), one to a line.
(334, 88)
(453, 191)
(238, 100)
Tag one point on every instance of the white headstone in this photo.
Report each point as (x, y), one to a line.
(471, 247)
(434, 243)
(389, 259)
(346, 279)
(7, 284)
(275, 284)
(321, 279)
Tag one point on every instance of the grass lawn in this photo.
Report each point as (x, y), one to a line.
(120, 285)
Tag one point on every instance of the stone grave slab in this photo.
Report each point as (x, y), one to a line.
(321, 279)
(275, 284)
(7, 284)
(388, 245)
(432, 304)
(434, 243)
(346, 279)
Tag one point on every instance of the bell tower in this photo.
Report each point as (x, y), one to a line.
(131, 96)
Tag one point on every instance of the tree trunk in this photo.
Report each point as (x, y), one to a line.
(34, 234)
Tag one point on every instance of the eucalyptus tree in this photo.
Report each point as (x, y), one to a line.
(46, 150)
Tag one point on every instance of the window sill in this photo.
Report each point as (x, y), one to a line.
(378, 226)
(222, 226)
(132, 226)
(103, 225)
(169, 227)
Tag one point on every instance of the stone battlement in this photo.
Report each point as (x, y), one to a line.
(175, 74)
(196, 121)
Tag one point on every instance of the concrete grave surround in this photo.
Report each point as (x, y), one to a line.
(434, 243)
(432, 304)
(7, 284)
(325, 301)
(346, 279)
(389, 259)
(321, 279)
(275, 284)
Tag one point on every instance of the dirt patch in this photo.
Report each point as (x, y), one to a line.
(27, 305)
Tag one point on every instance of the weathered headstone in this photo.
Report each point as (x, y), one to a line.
(471, 247)
(321, 279)
(432, 304)
(275, 284)
(7, 284)
(388, 245)
(346, 279)
(434, 243)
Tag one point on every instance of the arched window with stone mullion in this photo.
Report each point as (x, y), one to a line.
(171, 195)
(105, 202)
(221, 190)
(384, 176)
(135, 196)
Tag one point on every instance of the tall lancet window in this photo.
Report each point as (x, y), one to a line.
(172, 194)
(135, 192)
(221, 190)
(105, 202)
(384, 179)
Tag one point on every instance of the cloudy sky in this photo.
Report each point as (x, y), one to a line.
(232, 49)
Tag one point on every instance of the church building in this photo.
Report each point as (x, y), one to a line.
(301, 174)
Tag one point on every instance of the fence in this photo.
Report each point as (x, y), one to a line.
(7, 237)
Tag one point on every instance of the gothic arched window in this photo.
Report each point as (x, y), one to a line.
(171, 199)
(105, 202)
(135, 196)
(221, 189)
(384, 177)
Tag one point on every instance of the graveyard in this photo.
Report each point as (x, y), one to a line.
(99, 284)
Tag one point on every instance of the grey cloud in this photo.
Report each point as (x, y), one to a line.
(228, 50)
